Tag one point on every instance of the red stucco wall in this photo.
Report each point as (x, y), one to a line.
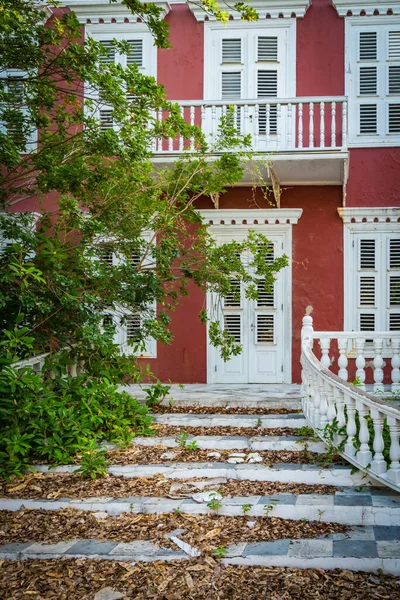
(320, 51)
(374, 177)
(180, 68)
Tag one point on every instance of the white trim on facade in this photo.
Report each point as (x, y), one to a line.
(273, 8)
(359, 221)
(353, 27)
(94, 10)
(343, 7)
(273, 222)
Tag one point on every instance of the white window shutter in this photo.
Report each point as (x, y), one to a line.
(368, 46)
(136, 55)
(394, 253)
(394, 118)
(232, 324)
(267, 48)
(368, 81)
(109, 57)
(367, 283)
(267, 84)
(106, 119)
(265, 329)
(231, 85)
(394, 45)
(368, 118)
(233, 298)
(231, 50)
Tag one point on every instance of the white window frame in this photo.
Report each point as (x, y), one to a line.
(353, 26)
(215, 31)
(378, 221)
(120, 337)
(31, 144)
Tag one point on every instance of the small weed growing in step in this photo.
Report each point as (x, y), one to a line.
(177, 511)
(193, 446)
(305, 520)
(259, 422)
(170, 403)
(304, 431)
(246, 508)
(182, 438)
(268, 508)
(220, 552)
(215, 503)
(320, 513)
(156, 393)
(93, 463)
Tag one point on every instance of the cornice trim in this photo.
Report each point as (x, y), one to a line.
(266, 9)
(101, 11)
(369, 8)
(252, 217)
(369, 215)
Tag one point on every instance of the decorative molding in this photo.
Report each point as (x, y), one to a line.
(369, 8)
(370, 215)
(273, 9)
(102, 11)
(252, 217)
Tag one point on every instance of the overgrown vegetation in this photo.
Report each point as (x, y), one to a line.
(111, 238)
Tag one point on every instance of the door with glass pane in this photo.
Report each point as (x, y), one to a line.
(257, 325)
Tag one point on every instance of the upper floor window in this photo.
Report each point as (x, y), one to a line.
(373, 82)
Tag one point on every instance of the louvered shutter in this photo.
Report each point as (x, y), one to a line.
(265, 306)
(106, 119)
(367, 280)
(136, 53)
(231, 89)
(109, 52)
(233, 299)
(233, 326)
(393, 271)
(267, 48)
(267, 83)
(133, 327)
(368, 82)
(231, 50)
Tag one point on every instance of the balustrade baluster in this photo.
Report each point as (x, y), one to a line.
(311, 126)
(393, 473)
(170, 144)
(213, 120)
(330, 398)
(181, 136)
(316, 418)
(289, 125)
(395, 387)
(333, 125)
(268, 123)
(300, 125)
(322, 125)
(236, 108)
(351, 428)
(73, 370)
(344, 124)
(203, 117)
(360, 363)
(342, 360)
(378, 463)
(378, 364)
(153, 114)
(256, 125)
(325, 344)
(278, 125)
(364, 455)
(192, 124)
(323, 404)
(341, 418)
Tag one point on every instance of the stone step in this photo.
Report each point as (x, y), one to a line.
(235, 442)
(364, 549)
(247, 395)
(283, 472)
(294, 420)
(346, 507)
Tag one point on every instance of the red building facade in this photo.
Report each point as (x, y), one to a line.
(317, 84)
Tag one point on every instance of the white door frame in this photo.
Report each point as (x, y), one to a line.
(273, 222)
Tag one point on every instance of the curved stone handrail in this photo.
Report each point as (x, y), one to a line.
(364, 429)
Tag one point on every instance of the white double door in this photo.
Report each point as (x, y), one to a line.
(261, 327)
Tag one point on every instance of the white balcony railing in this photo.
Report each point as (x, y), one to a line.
(275, 125)
(363, 428)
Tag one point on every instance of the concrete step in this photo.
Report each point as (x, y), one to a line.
(284, 472)
(293, 420)
(248, 395)
(347, 507)
(366, 549)
(235, 442)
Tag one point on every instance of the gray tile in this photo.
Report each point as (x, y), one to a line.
(388, 549)
(310, 548)
(276, 548)
(279, 499)
(387, 533)
(384, 492)
(15, 547)
(390, 501)
(355, 548)
(87, 547)
(353, 500)
(188, 501)
(287, 467)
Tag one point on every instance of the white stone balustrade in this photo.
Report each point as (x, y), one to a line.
(364, 428)
(37, 363)
(279, 124)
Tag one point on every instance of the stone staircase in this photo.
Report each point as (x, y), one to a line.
(279, 490)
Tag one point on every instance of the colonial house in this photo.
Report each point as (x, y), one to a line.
(317, 85)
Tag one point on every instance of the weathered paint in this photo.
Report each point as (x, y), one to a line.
(374, 177)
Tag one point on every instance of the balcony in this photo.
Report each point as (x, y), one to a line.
(297, 141)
